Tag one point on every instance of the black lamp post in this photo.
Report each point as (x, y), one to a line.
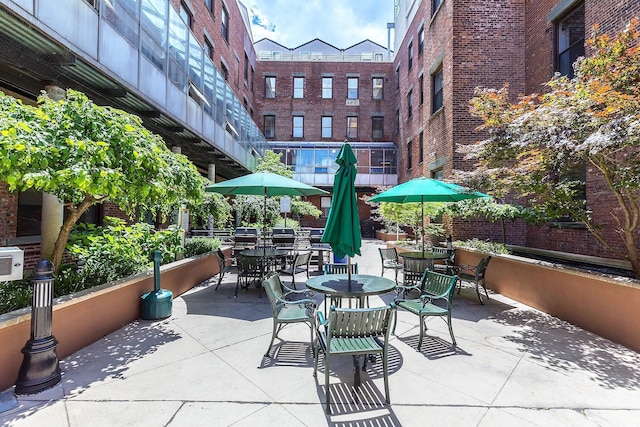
(40, 369)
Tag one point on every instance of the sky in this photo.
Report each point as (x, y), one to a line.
(341, 23)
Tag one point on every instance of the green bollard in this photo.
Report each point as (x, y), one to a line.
(156, 304)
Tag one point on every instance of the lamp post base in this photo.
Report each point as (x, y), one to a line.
(40, 369)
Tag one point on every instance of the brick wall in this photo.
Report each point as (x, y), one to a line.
(8, 214)
(312, 107)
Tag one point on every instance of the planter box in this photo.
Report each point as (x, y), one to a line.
(604, 304)
(83, 318)
(601, 303)
(390, 237)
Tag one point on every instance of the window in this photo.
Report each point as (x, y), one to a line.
(437, 91)
(224, 71)
(209, 4)
(437, 174)
(246, 68)
(569, 41)
(377, 130)
(225, 23)
(352, 88)
(298, 126)
(298, 87)
(409, 155)
(410, 58)
(325, 204)
(185, 15)
(421, 41)
(421, 148)
(377, 85)
(208, 49)
(29, 213)
(397, 78)
(270, 87)
(421, 82)
(269, 126)
(327, 87)
(252, 77)
(435, 4)
(410, 104)
(352, 127)
(327, 126)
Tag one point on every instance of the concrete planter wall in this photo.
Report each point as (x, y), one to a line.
(606, 305)
(83, 318)
(603, 304)
(388, 237)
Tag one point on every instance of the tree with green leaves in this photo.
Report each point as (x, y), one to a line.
(212, 205)
(87, 154)
(536, 144)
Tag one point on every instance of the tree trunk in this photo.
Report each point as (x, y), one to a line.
(66, 229)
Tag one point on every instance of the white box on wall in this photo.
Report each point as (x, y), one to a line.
(11, 263)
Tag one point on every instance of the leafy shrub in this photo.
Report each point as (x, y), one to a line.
(483, 246)
(101, 255)
(200, 245)
(15, 295)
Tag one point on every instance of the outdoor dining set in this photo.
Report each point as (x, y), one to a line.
(350, 326)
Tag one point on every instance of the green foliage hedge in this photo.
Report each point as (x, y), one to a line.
(104, 254)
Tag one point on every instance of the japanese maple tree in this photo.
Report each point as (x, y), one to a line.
(537, 143)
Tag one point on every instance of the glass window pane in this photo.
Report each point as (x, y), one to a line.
(352, 127)
(327, 87)
(270, 87)
(352, 88)
(327, 126)
(177, 50)
(298, 126)
(298, 87)
(377, 88)
(304, 162)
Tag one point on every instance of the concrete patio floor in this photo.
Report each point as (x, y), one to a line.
(204, 365)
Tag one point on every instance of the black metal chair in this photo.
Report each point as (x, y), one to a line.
(250, 271)
(226, 266)
(339, 269)
(413, 270)
(449, 265)
(475, 274)
(390, 260)
(300, 264)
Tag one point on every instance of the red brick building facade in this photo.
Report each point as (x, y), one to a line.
(444, 49)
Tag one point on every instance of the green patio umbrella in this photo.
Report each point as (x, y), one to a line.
(420, 190)
(264, 184)
(342, 230)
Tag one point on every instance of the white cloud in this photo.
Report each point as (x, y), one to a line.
(341, 23)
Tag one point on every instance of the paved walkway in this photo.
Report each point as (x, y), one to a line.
(513, 366)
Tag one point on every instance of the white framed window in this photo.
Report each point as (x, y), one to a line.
(270, 87)
(327, 126)
(352, 88)
(327, 87)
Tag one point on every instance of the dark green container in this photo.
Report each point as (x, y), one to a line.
(158, 303)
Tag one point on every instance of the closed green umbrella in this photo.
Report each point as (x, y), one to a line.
(420, 190)
(342, 230)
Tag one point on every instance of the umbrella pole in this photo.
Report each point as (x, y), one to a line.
(264, 236)
(422, 224)
(348, 268)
